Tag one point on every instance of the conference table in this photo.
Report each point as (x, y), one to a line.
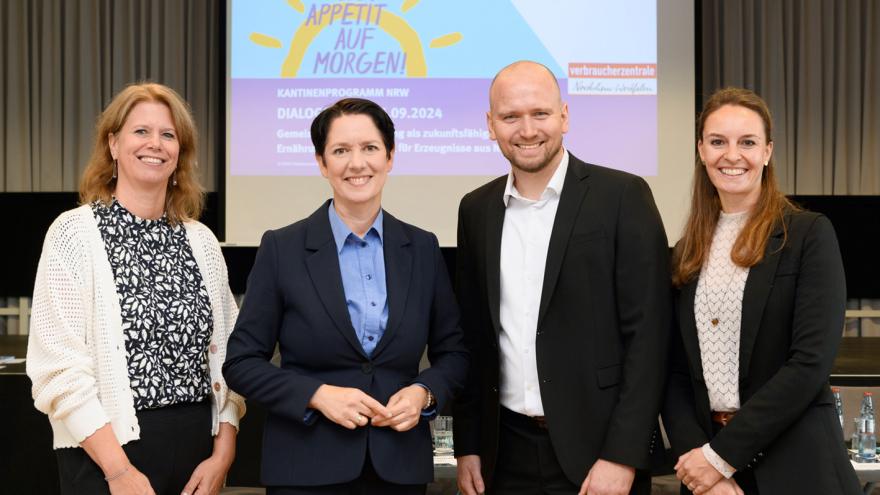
(27, 463)
(869, 475)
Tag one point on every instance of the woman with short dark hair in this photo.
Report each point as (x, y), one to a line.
(351, 296)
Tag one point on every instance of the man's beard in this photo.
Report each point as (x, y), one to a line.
(547, 159)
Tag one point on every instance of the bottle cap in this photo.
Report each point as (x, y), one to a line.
(835, 389)
(868, 394)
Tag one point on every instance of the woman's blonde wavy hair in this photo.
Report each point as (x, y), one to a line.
(183, 201)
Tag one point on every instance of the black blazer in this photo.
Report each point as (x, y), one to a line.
(603, 321)
(792, 321)
(295, 299)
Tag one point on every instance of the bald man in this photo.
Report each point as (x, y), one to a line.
(564, 286)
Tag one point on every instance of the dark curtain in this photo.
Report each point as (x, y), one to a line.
(63, 60)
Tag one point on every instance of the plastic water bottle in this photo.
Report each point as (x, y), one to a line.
(868, 438)
(867, 407)
(838, 405)
(868, 445)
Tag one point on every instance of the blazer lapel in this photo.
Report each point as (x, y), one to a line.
(687, 323)
(494, 226)
(758, 285)
(398, 272)
(574, 190)
(323, 267)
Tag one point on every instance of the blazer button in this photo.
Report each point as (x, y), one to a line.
(216, 386)
(367, 368)
(213, 348)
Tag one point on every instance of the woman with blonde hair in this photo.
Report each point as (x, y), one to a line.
(760, 308)
(131, 314)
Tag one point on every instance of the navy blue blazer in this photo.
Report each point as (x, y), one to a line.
(295, 299)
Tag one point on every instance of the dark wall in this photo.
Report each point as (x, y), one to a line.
(856, 220)
(28, 216)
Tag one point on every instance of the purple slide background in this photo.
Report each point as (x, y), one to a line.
(615, 131)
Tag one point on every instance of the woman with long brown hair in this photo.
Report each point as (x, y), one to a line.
(759, 307)
(131, 314)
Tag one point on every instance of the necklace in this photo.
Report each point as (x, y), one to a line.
(720, 292)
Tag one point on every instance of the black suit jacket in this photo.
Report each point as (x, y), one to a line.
(792, 321)
(295, 299)
(603, 322)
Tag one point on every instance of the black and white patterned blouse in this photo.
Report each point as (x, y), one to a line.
(166, 313)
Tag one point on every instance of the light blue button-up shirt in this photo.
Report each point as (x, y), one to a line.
(362, 263)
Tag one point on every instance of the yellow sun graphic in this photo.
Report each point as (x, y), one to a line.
(389, 22)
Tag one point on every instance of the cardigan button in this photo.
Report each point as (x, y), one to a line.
(213, 348)
(216, 386)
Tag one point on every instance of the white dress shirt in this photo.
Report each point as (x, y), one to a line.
(524, 241)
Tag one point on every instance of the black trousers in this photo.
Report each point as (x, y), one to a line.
(369, 483)
(527, 463)
(174, 440)
(746, 481)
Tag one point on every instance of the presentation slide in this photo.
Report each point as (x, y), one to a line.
(429, 64)
(625, 70)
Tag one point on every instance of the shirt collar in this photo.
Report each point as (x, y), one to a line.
(554, 186)
(341, 230)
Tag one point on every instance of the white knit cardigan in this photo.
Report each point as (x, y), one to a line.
(76, 354)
